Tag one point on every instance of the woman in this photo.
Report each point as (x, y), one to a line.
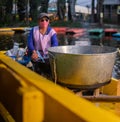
(40, 39)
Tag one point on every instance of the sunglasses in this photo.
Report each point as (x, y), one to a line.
(42, 20)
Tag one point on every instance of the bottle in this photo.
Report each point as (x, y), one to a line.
(15, 49)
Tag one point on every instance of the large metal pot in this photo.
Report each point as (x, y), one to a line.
(82, 66)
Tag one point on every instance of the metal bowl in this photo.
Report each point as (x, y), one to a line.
(82, 66)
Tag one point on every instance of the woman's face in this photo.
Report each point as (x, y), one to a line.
(43, 22)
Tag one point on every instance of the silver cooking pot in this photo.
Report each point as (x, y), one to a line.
(82, 66)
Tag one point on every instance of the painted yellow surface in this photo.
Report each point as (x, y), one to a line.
(32, 105)
(5, 114)
(113, 88)
(5, 29)
(22, 29)
(7, 33)
(11, 31)
(110, 106)
(60, 105)
(18, 28)
(24, 102)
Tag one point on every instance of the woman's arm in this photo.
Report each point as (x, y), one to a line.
(30, 42)
(31, 48)
(54, 40)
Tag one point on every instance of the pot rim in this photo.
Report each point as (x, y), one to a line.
(82, 54)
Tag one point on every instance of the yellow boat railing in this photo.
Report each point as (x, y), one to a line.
(6, 31)
(30, 97)
(12, 31)
(6, 117)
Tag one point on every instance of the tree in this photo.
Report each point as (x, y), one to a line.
(9, 6)
(21, 4)
(5, 11)
(8, 10)
(71, 9)
(93, 11)
(35, 4)
(61, 8)
(2, 11)
(44, 5)
(33, 9)
(100, 11)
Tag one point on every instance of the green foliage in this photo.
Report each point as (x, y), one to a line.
(9, 6)
(2, 2)
(33, 11)
(21, 4)
(44, 5)
(61, 9)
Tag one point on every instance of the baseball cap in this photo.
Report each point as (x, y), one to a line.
(41, 15)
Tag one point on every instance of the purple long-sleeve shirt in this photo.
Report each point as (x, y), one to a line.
(37, 41)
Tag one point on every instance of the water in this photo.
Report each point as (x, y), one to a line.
(6, 43)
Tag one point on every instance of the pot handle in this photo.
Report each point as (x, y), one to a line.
(54, 67)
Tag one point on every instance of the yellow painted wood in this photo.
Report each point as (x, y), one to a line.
(5, 114)
(109, 106)
(60, 105)
(32, 105)
(3, 51)
(18, 28)
(113, 88)
(25, 103)
(6, 31)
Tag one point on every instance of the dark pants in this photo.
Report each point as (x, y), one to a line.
(42, 68)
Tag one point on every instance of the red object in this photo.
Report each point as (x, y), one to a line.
(60, 30)
(110, 30)
(73, 31)
(108, 33)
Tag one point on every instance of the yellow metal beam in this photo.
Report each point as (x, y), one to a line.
(60, 105)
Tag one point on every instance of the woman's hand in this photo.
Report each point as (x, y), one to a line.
(34, 56)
